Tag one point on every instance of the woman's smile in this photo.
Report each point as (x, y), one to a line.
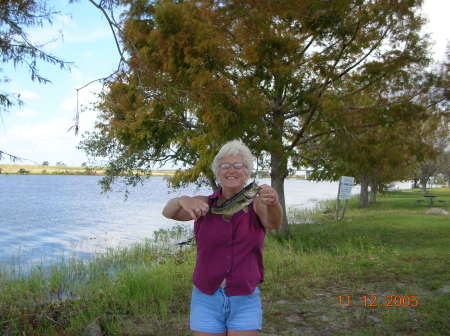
(232, 174)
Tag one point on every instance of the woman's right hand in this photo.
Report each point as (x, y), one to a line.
(195, 207)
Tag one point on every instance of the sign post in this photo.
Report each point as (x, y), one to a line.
(344, 194)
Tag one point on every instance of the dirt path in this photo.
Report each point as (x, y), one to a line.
(323, 314)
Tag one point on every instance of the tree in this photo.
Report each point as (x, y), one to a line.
(376, 157)
(16, 48)
(438, 164)
(441, 138)
(392, 150)
(45, 163)
(444, 166)
(202, 72)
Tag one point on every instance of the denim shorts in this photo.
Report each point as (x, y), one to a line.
(218, 312)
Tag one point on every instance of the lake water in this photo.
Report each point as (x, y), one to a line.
(46, 217)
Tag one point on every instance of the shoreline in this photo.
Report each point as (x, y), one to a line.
(16, 169)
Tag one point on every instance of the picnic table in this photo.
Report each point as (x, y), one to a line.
(430, 199)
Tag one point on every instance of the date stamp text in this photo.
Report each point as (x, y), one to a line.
(380, 301)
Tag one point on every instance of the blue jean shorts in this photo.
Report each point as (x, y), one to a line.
(218, 313)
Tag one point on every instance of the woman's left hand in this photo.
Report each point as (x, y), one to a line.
(267, 195)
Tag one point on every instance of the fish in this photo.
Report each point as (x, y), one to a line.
(238, 202)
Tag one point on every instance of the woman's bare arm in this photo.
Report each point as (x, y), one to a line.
(268, 208)
(186, 208)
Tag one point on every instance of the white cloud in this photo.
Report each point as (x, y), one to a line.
(29, 95)
(50, 36)
(88, 53)
(46, 141)
(24, 113)
(64, 20)
(436, 11)
(91, 36)
(50, 139)
(64, 30)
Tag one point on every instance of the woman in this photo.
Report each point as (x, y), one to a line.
(225, 296)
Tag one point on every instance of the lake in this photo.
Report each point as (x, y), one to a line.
(46, 217)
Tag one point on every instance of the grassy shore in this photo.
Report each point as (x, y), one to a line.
(393, 254)
(63, 170)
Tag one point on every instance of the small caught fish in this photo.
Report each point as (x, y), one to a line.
(238, 202)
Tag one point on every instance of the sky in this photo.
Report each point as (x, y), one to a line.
(38, 130)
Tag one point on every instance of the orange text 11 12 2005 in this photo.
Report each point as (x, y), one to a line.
(380, 301)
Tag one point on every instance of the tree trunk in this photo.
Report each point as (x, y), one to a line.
(373, 191)
(277, 182)
(278, 162)
(423, 184)
(364, 194)
(372, 195)
(415, 184)
(212, 183)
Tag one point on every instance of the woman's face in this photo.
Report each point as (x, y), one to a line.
(232, 172)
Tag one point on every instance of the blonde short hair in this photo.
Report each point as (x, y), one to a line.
(234, 147)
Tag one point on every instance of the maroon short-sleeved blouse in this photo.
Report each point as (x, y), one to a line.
(231, 250)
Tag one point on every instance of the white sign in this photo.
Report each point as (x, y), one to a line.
(345, 187)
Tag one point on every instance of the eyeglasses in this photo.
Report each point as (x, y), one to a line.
(236, 165)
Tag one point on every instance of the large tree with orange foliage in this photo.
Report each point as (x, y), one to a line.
(202, 72)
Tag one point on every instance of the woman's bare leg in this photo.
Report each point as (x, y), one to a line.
(242, 332)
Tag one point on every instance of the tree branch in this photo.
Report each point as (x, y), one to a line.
(14, 158)
(362, 58)
(303, 129)
(296, 140)
(312, 137)
(113, 25)
(308, 45)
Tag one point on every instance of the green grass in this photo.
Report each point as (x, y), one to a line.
(391, 249)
